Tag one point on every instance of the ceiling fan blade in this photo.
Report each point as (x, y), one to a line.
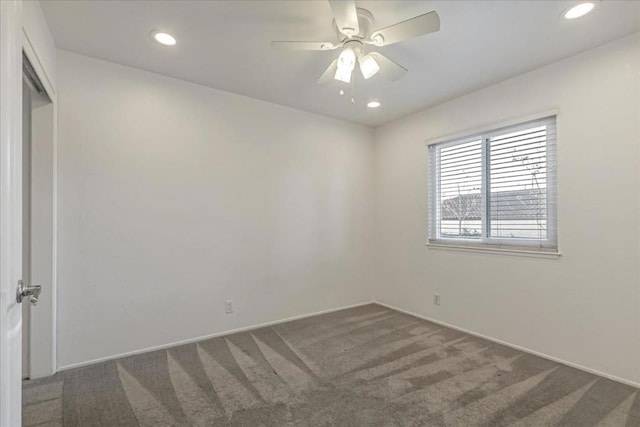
(405, 30)
(303, 46)
(388, 68)
(329, 73)
(346, 16)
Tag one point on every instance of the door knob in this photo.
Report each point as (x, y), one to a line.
(24, 291)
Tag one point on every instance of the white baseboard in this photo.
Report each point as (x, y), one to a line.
(205, 337)
(514, 346)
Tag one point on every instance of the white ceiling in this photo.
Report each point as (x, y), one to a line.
(225, 45)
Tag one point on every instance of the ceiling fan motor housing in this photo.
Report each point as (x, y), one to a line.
(356, 45)
(365, 22)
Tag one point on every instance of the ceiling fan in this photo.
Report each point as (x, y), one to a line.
(353, 27)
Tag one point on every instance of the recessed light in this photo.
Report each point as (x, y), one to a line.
(579, 10)
(373, 104)
(164, 38)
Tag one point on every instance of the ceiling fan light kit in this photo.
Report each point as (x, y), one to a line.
(368, 66)
(343, 75)
(353, 27)
(346, 64)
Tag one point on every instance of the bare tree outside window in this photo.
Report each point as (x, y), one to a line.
(537, 186)
(463, 207)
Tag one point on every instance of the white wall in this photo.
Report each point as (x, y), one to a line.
(584, 307)
(174, 197)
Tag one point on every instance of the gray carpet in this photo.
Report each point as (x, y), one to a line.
(366, 366)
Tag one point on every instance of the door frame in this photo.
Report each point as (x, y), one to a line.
(26, 217)
(44, 133)
(10, 211)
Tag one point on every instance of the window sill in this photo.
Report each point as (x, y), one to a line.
(497, 251)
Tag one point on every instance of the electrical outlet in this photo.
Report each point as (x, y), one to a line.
(436, 299)
(228, 306)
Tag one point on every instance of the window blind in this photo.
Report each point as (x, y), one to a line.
(495, 188)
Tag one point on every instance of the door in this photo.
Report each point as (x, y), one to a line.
(10, 211)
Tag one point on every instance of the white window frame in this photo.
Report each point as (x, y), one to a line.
(543, 248)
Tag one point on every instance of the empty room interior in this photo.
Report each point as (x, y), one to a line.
(320, 213)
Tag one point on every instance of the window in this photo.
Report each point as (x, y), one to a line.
(496, 188)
